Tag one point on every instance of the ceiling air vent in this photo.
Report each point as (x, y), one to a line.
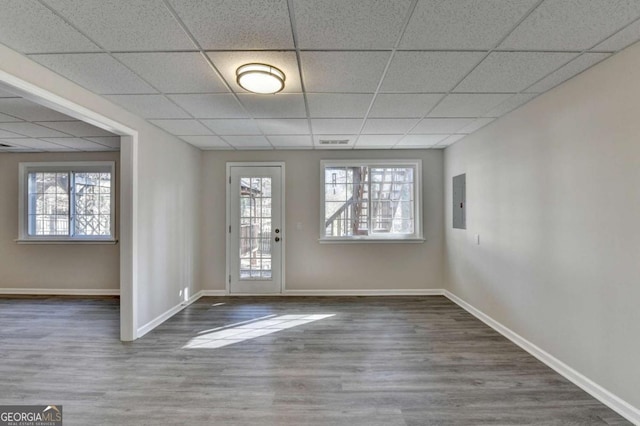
(4, 145)
(334, 141)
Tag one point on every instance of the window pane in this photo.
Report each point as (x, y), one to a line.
(48, 198)
(255, 228)
(367, 200)
(392, 200)
(92, 204)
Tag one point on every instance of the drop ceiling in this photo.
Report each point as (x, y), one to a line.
(29, 127)
(381, 74)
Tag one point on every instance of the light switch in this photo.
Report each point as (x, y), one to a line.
(299, 226)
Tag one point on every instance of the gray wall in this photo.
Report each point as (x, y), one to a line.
(168, 174)
(314, 266)
(65, 266)
(553, 191)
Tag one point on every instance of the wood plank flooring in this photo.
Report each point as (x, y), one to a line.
(376, 361)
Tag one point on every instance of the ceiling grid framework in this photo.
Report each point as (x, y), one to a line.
(382, 75)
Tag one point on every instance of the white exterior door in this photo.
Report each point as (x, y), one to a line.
(255, 234)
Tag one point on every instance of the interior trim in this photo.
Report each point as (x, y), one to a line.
(608, 398)
(61, 291)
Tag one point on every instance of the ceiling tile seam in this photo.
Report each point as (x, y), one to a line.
(587, 50)
(403, 29)
(108, 52)
(522, 18)
(203, 53)
(105, 51)
(294, 35)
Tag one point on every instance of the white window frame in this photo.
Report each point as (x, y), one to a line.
(416, 237)
(65, 167)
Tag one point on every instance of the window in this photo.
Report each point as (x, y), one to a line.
(67, 201)
(371, 200)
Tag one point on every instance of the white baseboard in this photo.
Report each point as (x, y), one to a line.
(383, 292)
(166, 315)
(609, 399)
(61, 291)
(216, 293)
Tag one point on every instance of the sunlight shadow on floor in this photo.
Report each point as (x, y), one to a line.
(217, 338)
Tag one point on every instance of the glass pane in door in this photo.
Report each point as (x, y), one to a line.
(255, 228)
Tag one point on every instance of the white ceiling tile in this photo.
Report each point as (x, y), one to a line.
(125, 25)
(206, 142)
(237, 24)
(6, 134)
(291, 141)
(377, 141)
(37, 144)
(622, 38)
(28, 27)
(451, 140)
(236, 126)
(571, 24)
(280, 105)
(284, 126)
(31, 130)
(228, 62)
(7, 119)
(338, 105)
(175, 72)
(467, 105)
(30, 111)
(148, 106)
(76, 128)
(440, 125)
(97, 72)
(247, 141)
(343, 71)
(349, 145)
(183, 127)
(77, 143)
(388, 126)
(337, 24)
(417, 72)
(404, 105)
(512, 71)
(510, 104)
(475, 125)
(210, 106)
(336, 126)
(107, 141)
(420, 141)
(457, 25)
(574, 67)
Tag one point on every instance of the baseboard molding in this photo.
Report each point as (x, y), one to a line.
(383, 292)
(166, 315)
(609, 399)
(61, 291)
(216, 293)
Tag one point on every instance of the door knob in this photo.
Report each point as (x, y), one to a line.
(277, 239)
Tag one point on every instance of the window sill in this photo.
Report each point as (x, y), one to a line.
(371, 240)
(65, 241)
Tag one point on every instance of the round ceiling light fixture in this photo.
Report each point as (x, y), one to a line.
(260, 78)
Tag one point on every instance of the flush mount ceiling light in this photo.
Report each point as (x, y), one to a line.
(260, 78)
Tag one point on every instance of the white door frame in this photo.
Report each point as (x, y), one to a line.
(283, 274)
(128, 238)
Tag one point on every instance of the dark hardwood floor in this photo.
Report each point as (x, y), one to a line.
(291, 361)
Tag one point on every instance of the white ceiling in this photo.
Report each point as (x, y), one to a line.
(28, 127)
(382, 74)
